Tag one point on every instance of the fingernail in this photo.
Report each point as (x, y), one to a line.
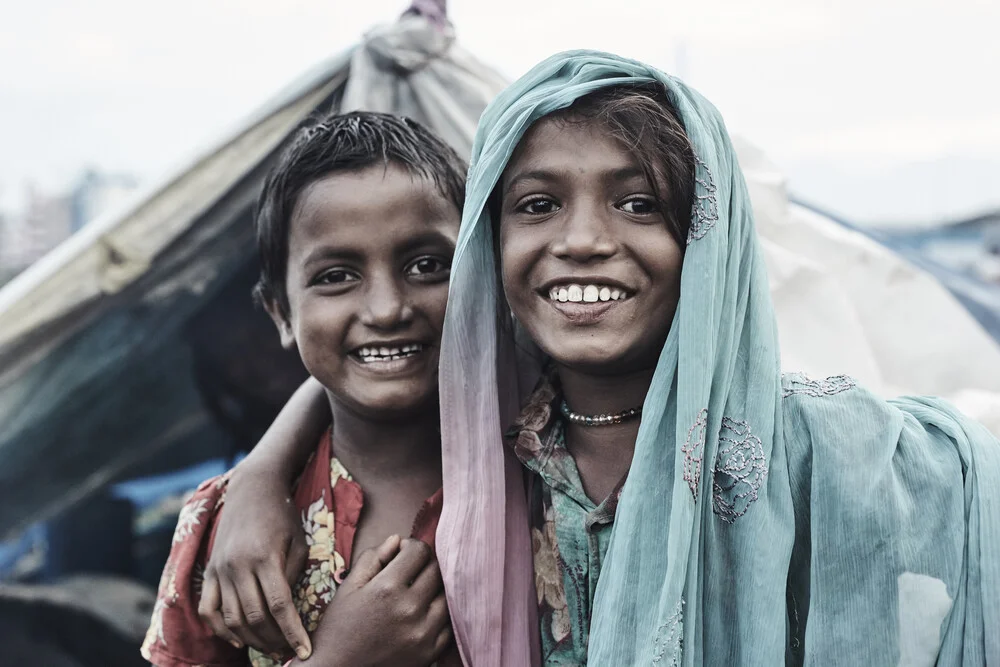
(302, 652)
(235, 643)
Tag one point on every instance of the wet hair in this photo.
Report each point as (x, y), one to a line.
(642, 118)
(340, 143)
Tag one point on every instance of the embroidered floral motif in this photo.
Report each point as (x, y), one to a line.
(705, 211)
(800, 383)
(694, 450)
(740, 470)
(189, 518)
(548, 575)
(668, 644)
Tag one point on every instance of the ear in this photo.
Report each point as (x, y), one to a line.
(281, 322)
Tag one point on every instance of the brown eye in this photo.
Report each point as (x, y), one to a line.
(427, 266)
(540, 206)
(639, 206)
(336, 277)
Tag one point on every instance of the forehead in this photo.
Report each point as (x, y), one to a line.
(557, 142)
(377, 206)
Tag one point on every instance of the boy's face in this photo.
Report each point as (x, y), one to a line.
(590, 267)
(369, 256)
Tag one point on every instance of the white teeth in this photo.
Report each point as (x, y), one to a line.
(586, 293)
(371, 354)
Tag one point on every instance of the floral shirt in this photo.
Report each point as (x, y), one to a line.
(330, 503)
(569, 532)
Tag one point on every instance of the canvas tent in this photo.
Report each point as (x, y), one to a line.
(135, 341)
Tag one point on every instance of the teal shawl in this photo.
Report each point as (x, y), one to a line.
(765, 519)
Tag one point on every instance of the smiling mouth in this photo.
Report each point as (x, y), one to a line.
(387, 354)
(586, 294)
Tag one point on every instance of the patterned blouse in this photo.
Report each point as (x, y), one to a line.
(330, 502)
(569, 533)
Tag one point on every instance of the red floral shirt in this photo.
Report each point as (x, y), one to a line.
(330, 503)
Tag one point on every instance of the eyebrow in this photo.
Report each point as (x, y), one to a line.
(547, 175)
(424, 239)
(330, 252)
(419, 240)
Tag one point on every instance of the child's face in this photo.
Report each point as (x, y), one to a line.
(589, 266)
(369, 256)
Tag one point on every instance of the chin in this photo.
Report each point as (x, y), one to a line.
(397, 405)
(589, 358)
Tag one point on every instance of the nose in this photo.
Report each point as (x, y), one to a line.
(386, 305)
(586, 234)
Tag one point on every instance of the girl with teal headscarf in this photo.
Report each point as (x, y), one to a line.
(687, 504)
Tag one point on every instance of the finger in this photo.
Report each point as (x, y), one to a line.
(438, 626)
(295, 561)
(373, 561)
(428, 584)
(232, 615)
(257, 615)
(210, 611)
(403, 569)
(442, 642)
(437, 615)
(281, 606)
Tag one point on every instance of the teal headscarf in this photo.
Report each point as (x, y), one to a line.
(764, 518)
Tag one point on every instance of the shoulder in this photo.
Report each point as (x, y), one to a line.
(835, 412)
(176, 635)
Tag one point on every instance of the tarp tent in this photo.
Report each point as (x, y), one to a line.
(137, 335)
(136, 338)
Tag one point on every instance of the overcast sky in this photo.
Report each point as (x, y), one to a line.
(875, 108)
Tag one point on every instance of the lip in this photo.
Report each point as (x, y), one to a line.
(392, 367)
(583, 280)
(581, 313)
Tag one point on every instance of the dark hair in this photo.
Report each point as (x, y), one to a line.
(342, 142)
(643, 118)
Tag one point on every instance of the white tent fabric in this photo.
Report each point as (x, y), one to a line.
(847, 305)
(94, 376)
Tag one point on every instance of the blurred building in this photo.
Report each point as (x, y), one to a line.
(47, 220)
(98, 192)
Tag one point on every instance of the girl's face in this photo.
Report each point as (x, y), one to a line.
(589, 266)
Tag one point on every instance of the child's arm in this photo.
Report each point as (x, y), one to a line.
(389, 612)
(259, 546)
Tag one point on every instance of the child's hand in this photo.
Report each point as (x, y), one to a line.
(390, 611)
(259, 551)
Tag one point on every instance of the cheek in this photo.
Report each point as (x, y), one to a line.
(432, 303)
(516, 260)
(319, 327)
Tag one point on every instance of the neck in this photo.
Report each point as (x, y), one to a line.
(400, 452)
(604, 394)
(603, 453)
